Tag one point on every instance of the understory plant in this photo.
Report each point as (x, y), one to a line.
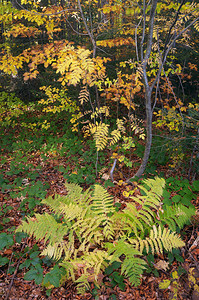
(86, 232)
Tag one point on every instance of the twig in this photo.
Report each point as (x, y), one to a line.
(112, 169)
(97, 158)
(15, 273)
(191, 160)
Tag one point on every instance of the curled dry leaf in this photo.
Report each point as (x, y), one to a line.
(162, 265)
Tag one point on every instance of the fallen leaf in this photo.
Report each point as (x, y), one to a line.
(162, 265)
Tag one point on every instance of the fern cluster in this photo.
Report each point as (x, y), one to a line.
(85, 232)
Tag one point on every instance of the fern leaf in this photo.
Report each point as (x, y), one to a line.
(71, 211)
(55, 202)
(103, 206)
(44, 226)
(96, 260)
(119, 248)
(88, 232)
(156, 185)
(132, 219)
(70, 269)
(157, 241)
(176, 215)
(168, 239)
(132, 266)
(102, 201)
(54, 251)
(145, 214)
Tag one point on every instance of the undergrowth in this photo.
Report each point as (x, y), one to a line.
(86, 233)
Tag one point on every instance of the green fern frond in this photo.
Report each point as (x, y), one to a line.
(55, 202)
(156, 186)
(131, 218)
(88, 231)
(176, 215)
(102, 201)
(141, 212)
(132, 266)
(103, 206)
(157, 241)
(169, 240)
(70, 269)
(83, 286)
(92, 265)
(76, 194)
(71, 211)
(54, 251)
(119, 248)
(96, 260)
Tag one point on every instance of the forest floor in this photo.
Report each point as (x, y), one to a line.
(12, 284)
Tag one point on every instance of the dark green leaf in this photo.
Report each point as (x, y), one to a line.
(35, 273)
(3, 260)
(176, 198)
(5, 240)
(54, 276)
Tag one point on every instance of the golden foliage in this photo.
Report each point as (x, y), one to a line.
(88, 233)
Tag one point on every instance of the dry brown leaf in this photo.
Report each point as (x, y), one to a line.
(162, 265)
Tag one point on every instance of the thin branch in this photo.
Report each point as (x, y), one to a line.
(143, 32)
(112, 169)
(172, 25)
(169, 48)
(87, 29)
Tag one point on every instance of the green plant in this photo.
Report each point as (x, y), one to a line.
(3, 213)
(176, 216)
(184, 191)
(85, 232)
(112, 271)
(6, 240)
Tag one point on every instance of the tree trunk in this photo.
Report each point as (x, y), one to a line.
(148, 89)
(149, 115)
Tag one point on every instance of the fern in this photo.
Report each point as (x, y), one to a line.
(140, 213)
(132, 266)
(176, 216)
(103, 206)
(44, 227)
(156, 187)
(157, 241)
(102, 201)
(87, 233)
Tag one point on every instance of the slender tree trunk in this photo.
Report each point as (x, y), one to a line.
(149, 115)
(148, 88)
